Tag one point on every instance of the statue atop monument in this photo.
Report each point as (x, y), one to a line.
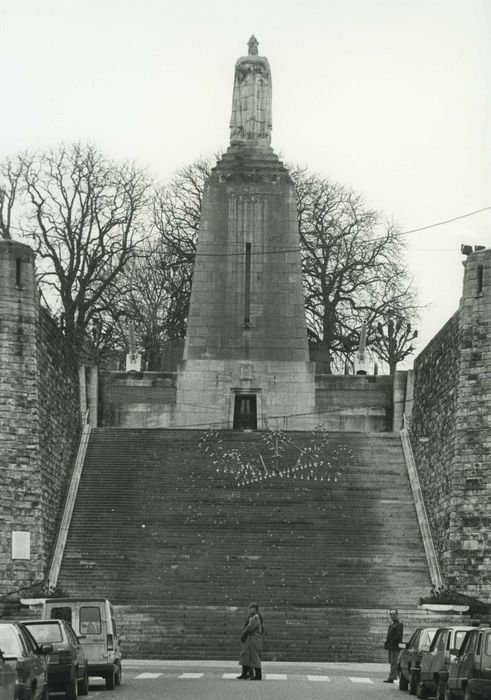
(251, 102)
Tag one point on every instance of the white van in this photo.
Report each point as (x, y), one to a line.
(93, 622)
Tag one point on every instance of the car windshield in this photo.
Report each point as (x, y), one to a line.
(45, 633)
(487, 644)
(9, 642)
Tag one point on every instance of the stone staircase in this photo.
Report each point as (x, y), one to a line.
(323, 534)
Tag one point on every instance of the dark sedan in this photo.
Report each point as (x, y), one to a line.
(8, 676)
(27, 659)
(67, 663)
(410, 658)
(469, 674)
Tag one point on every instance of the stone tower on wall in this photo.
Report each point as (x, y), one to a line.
(20, 504)
(451, 432)
(246, 360)
(471, 513)
(39, 421)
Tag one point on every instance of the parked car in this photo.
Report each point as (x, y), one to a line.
(67, 663)
(27, 659)
(8, 676)
(469, 673)
(435, 662)
(410, 658)
(93, 621)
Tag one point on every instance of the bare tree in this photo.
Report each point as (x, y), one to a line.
(152, 292)
(392, 341)
(11, 172)
(85, 218)
(353, 269)
(177, 212)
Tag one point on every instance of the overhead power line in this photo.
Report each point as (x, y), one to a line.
(378, 238)
(447, 221)
(278, 251)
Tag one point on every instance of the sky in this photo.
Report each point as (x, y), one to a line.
(389, 97)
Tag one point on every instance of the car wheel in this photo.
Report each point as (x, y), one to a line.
(83, 683)
(421, 690)
(71, 689)
(413, 682)
(440, 689)
(119, 675)
(403, 684)
(111, 680)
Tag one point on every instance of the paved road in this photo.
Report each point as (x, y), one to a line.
(154, 680)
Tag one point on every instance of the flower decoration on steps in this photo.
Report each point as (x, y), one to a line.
(279, 457)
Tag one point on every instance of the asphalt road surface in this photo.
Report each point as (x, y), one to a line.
(186, 680)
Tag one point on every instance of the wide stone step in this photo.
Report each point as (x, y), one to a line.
(159, 521)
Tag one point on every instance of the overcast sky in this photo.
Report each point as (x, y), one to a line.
(391, 97)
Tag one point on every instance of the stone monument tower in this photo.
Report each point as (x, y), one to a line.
(246, 361)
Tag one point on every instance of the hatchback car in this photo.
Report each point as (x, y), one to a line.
(410, 658)
(67, 663)
(469, 673)
(27, 659)
(435, 662)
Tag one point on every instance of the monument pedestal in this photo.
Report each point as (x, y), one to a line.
(245, 395)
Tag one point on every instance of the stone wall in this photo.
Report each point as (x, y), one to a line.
(451, 433)
(341, 402)
(59, 421)
(471, 486)
(361, 403)
(20, 481)
(137, 400)
(433, 428)
(39, 422)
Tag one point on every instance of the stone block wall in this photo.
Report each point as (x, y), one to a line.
(471, 488)
(137, 400)
(39, 422)
(360, 403)
(20, 482)
(451, 433)
(433, 428)
(59, 421)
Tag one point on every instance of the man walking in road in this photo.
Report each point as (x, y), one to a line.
(394, 638)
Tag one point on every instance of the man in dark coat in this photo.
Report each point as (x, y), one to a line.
(394, 638)
(250, 654)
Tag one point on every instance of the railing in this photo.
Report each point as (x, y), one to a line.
(424, 526)
(61, 539)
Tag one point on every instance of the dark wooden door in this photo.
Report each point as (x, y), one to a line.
(245, 412)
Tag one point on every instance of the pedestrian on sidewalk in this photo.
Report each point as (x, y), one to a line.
(252, 642)
(394, 638)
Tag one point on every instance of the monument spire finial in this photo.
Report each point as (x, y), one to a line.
(253, 43)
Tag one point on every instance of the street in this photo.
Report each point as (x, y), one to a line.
(191, 680)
